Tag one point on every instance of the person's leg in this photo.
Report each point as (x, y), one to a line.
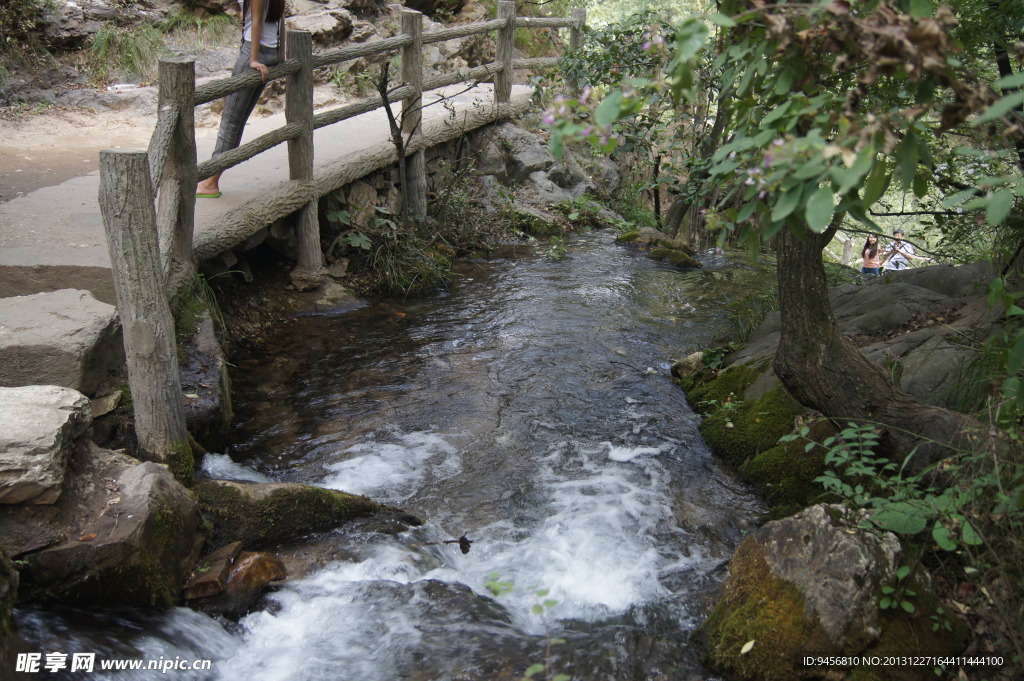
(237, 108)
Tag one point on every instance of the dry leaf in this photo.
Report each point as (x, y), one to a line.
(87, 537)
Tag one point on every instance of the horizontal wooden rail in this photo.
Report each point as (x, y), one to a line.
(349, 110)
(219, 164)
(465, 31)
(225, 86)
(475, 74)
(535, 63)
(363, 50)
(545, 22)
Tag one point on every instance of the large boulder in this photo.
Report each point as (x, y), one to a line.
(811, 584)
(911, 322)
(257, 514)
(38, 428)
(64, 337)
(123, 533)
(328, 26)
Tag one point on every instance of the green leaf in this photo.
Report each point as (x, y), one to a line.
(921, 8)
(1011, 82)
(900, 517)
(786, 204)
(876, 184)
(885, 603)
(533, 670)
(721, 20)
(902, 572)
(970, 535)
(1015, 358)
(908, 606)
(819, 209)
(561, 677)
(783, 82)
(942, 537)
(747, 647)
(1002, 107)
(777, 113)
(537, 610)
(999, 207)
(920, 185)
(608, 112)
(908, 160)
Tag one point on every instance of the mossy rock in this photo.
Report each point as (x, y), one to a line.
(766, 610)
(785, 474)
(743, 431)
(709, 389)
(262, 513)
(675, 256)
(536, 222)
(628, 237)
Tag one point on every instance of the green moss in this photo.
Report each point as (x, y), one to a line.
(746, 429)
(628, 237)
(675, 256)
(766, 610)
(285, 512)
(183, 463)
(923, 632)
(785, 474)
(709, 389)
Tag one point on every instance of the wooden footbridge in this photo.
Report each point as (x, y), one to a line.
(148, 205)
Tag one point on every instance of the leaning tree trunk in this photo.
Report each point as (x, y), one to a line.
(825, 371)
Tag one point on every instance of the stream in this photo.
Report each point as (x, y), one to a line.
(528, 408)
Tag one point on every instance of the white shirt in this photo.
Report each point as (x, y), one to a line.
(268, 36)
(897, 261)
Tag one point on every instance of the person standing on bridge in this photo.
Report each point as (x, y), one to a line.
(262, 46)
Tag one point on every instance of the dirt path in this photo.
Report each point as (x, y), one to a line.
(45, 149)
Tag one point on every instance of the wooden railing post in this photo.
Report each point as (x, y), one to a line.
(176, 210)
(412, 115)
(126, 203)
(309, 271)
(505, 49)
(579, 17)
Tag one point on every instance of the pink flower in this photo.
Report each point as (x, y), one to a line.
(549, 119)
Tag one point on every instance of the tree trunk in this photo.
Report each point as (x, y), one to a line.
(823, 370)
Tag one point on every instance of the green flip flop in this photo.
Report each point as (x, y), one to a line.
(208, 196)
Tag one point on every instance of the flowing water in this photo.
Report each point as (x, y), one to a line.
(530, 409)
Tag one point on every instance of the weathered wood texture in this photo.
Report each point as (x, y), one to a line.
(535, 63)
(222, 88)
(415, 193)
(160, 142)
(309, 270)
(544, 22)
(477, 74)
(465, 31)
(175, 217)
(126, 203)
(579, 16)
(349, 110)
(242, 223)
(229, 159)
(505, 51)
(361, 50)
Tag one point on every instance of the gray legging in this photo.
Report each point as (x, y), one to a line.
(240, 104)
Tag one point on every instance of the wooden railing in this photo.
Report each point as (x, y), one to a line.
(148, 198)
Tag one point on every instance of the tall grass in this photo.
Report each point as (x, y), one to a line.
(125, 54)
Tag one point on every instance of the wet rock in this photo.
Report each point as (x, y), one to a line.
(8, 596)
(535, 221)
(662, 247)
(260, 513)
(526, 152)
(689, 365)
(64, 337)
(811, 583)
(234, 581)
(210, 576)
(38, 428)
(123, 533)
(207, 386)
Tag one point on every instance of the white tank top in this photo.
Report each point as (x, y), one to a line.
(268, 36)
